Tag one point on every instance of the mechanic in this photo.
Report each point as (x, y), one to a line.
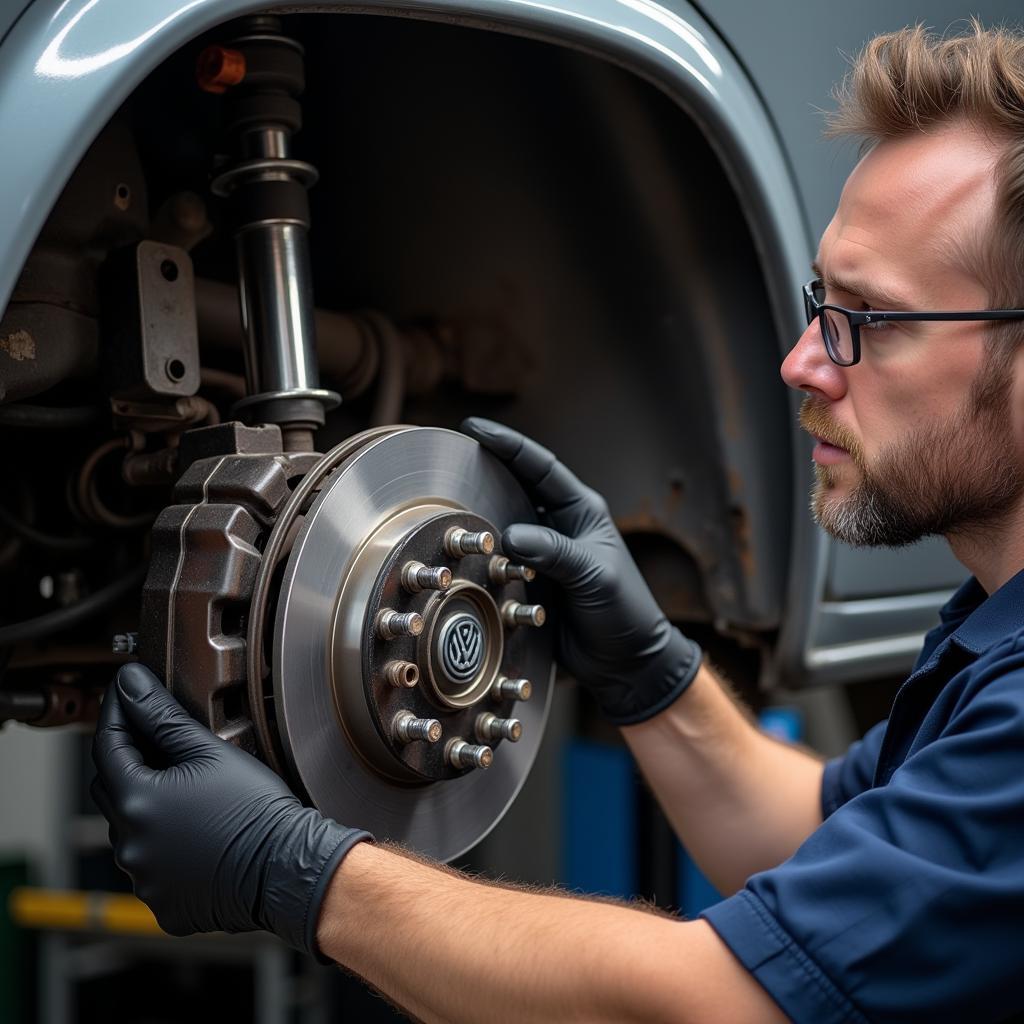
(885, 885)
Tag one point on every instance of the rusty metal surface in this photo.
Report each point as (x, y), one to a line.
(41, 345)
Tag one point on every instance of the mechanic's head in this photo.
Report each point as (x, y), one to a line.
(926, 431)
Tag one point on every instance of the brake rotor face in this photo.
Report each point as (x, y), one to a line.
(393, 503)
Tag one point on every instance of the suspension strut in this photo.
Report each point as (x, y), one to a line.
(261, 74)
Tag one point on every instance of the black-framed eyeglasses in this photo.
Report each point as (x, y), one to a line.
(840, 327)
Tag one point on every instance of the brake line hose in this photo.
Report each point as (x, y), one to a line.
(82, 611)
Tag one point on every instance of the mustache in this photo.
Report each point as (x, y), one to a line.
(815, 419)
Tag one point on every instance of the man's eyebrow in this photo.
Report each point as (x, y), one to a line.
(875, 296)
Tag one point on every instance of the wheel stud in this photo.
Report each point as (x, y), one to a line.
(407, 728)
(391, 624)
(459, 542)
(416, 577)
(461, 754)
(512, 689)
(516, 614)
(490, 727)
(501, 570)
(403, 674)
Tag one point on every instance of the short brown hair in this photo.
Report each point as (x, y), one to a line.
(912, 80)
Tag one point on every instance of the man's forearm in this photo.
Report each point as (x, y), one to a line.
(740, 801)
(447, 948)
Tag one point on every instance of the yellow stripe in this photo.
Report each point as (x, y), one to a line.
(70, 910)
(126, 914)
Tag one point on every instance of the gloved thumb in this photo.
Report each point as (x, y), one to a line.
(155, 716)
(560, 558)
(496, 437)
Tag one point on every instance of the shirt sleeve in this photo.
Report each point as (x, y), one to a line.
(853, 772)
(906, 904)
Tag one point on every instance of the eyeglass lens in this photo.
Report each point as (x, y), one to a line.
(836, 331)
(838, 336)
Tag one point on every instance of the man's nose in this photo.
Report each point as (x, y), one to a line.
(808, 367)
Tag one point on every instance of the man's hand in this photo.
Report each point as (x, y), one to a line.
(212, 839)
(613, 638)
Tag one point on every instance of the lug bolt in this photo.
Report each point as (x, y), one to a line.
(501, 570)
(512, 689)
(124, 643)
(461, 754)
(491, 727)
(392, 624)
(459, 542)
(403, 674)
(416, 577)
(407, 728)
(516, 614)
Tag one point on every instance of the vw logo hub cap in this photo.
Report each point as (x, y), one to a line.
(462, 647)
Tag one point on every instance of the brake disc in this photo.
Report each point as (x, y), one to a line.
(345, 618)
(351, 694)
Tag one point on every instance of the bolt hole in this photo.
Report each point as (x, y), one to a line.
(411, 675)
(169, 269)
(122, 196)
(233, 621)
(175, 370)
(233, 704)
(70, 707)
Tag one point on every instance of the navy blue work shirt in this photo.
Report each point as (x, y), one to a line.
(907, 903)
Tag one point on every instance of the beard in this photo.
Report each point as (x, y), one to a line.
(950, 478)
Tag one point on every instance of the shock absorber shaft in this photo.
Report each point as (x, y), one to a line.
(266, 191)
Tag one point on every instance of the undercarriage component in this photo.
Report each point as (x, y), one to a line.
(149, 319)
(280, 607)
(49, 330)
(50, 705)
(262, 75)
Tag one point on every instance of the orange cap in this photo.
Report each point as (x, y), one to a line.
(218, 67)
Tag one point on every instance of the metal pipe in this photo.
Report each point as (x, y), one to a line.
(390, 396)
(22, 705)
(347, 352)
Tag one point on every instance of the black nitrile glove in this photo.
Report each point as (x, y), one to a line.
(612, 637)
(212, 839)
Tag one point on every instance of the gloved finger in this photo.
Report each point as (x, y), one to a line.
(560, 558)
(543, 477)
(158, 719)
(117, 758)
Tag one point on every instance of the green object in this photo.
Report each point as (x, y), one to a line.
(14, 951)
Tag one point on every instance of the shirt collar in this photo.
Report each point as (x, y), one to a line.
(985, 620)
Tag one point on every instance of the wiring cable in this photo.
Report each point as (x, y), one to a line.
(43, 540)
(82, 611)
(47, 417)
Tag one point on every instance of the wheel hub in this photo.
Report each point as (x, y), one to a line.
(351, 602)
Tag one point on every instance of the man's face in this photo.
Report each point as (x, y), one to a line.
(922, 436)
